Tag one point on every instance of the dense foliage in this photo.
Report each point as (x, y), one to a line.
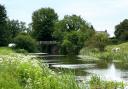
(71, 33)
(121, 31)
(109, 55)
(15, 27)
(3, 27)
(24, 41)
(43, 23)
(99, 40)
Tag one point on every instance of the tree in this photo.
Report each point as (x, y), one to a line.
(3, 27)
(43, 23)
(121, 31)
(71, 34)
(72, 23)
(15, 27)
(99, 40)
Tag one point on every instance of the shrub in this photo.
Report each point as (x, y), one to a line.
(24, 41)
(72, 43)
(66, 47)
(99, 40)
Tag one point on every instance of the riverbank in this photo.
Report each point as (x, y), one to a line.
(25, 72)
(120, 55)
(18, 71)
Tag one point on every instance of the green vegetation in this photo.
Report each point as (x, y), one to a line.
(15, 27)
(109, 54)
(4, 35)
(6, 51)
(23, 72)
(121, 31)
(99, 40)
(97, 83)
(25, 41)
(43, 21)
(71, 33)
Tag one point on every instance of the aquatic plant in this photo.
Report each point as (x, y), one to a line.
(97, 83)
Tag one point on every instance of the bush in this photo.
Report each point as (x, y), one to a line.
(99, 40)
(24, 41)
(72, 43)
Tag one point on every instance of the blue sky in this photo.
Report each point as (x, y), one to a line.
(102, 14)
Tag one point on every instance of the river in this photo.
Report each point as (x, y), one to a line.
(115, 71)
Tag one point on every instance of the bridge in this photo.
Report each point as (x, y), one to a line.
(50, 47)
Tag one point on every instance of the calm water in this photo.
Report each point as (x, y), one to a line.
(85, 69)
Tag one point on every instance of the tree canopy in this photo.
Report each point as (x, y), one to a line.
(43, 23)
(15, 27)
(121, 31)
(72, 23)
(71, 33)
(3, 27)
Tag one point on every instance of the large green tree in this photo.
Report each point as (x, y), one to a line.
(71, 33)
(72, 23)
(43, 23)
(121, 31)
(3, 27)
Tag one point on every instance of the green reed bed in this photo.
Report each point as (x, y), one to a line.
(97, 83)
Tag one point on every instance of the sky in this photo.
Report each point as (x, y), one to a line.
(102, 14)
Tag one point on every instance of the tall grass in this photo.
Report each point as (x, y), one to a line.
(97, 83)
(22, 72)
(108, 54)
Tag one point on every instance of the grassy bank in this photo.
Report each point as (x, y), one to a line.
(108, 54)
(18, 71)
(6, 51)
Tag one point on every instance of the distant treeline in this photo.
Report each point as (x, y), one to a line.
(72, 33)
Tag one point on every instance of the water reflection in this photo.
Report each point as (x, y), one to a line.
(113, 73)
(110, 73)
(85, 69)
